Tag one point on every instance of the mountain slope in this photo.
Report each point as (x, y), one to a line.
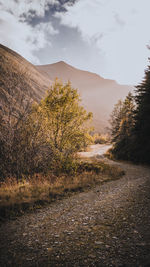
(98, 94)
(20, 81)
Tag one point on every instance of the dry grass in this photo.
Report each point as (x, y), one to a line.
(15, 197)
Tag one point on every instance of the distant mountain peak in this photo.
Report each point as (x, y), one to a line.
(98, 94)
(61, 62)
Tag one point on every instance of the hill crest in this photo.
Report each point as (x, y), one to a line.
(98, 94)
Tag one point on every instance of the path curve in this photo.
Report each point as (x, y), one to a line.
(106, 226)
(95, 150)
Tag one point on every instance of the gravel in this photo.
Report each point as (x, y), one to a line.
(106, 226)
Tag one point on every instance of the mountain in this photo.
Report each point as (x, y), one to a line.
(98, 94)
(20, 81)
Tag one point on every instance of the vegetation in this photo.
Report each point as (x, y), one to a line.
(130, 124)
(46, 136)
(23, 148)
(99, 138)
(122, 122)
(64, 122)
(38, 149)
(39, 189)
(142, 118)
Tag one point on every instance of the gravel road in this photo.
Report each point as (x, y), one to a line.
(95, 150)
(106, 226)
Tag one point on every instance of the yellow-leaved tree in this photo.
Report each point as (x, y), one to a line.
(65, 124)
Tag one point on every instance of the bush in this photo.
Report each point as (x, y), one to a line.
(45, 136)
(101, 138)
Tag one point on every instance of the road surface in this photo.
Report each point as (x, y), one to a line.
(108, 225)
(95, 150)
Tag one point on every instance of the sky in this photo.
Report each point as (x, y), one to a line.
(108, 37)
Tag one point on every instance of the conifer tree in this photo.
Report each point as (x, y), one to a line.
(142, 119)
(122, 124)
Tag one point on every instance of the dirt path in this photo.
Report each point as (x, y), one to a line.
(106, 226)
(94, 150)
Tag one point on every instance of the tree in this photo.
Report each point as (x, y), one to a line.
(142, 119)
(23, 145)
(15, 107)
(130, 124)
(45, 136)
(64, 120)
(23, 148)
(122, 125)
(115, 120)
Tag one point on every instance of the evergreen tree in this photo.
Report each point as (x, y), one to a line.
(115, 119)
(122, 124)
(142, 118)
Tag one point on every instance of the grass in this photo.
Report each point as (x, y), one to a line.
(33, 192)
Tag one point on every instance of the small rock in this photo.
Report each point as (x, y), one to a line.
(24, 234)
(99, 242)
(92, 256)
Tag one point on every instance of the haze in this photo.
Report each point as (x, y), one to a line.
(108, 37)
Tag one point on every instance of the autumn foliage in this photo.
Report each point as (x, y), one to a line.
(45, 136)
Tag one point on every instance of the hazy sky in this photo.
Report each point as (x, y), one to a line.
(109, 37)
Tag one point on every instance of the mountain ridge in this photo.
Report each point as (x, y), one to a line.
(65, 64)
(97, 93)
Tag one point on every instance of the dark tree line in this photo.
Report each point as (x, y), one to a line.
(142, 117)
(130, 124)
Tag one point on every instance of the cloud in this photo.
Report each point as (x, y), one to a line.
(28, 7)
(21, 36)
(120, 29)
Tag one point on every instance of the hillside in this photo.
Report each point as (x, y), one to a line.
(20, 81)
(98, 94)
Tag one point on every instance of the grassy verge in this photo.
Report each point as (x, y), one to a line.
(31, 193)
